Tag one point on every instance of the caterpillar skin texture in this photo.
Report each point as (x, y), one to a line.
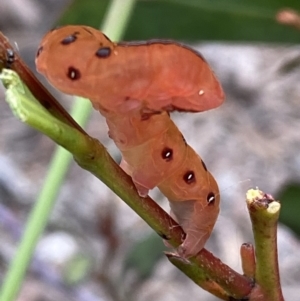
(134, 86)
(119, 77)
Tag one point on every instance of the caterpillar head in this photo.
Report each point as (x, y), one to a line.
(66, 55)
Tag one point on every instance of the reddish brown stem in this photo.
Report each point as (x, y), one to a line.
(217, 277)
(10, 59)
(248, 260)
(235, 284)
(201, 278)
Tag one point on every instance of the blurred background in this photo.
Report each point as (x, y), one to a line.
(96, 248)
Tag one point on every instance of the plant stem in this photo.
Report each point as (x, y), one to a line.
(198, 276)
(205, 269)
(248, 260)
(264, 213)
(56, 173)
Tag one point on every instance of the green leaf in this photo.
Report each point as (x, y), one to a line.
(144, 256)
(290, 207)
(194, 20)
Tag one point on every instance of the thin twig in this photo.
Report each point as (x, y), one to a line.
(92, 156)
(36, 88)
(248, 260)
(264, 213)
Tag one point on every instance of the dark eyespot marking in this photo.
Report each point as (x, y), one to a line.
(189, 177)
(204, 166)
(106, 37)
(39, 51)
(103, 52)
(69, 39)
(10, 57)
(167, 154)
(210, 198)
(73, 73)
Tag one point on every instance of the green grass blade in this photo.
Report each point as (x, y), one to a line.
(58, 166)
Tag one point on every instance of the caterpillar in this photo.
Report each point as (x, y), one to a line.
(135, 85)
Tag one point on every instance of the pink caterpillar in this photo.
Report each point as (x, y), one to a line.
(135, 85)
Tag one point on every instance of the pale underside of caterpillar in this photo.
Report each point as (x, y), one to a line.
(134, 86)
